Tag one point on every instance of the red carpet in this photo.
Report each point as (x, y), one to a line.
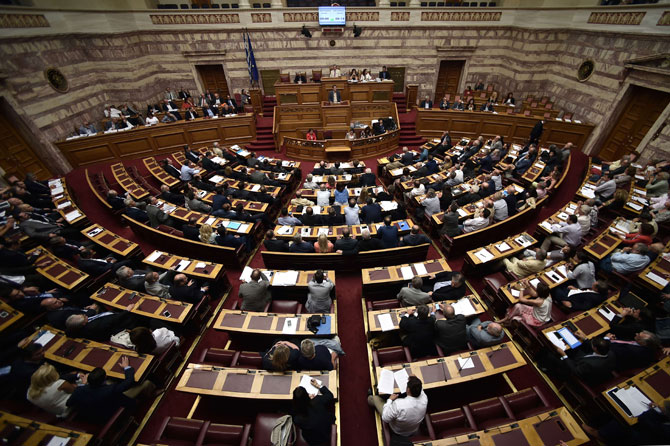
(356, 419)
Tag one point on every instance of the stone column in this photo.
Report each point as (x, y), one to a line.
(244, 4)
(384, 3)
(415, 3)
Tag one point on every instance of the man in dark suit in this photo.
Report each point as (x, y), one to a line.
(414, 238)
(98, 401)
(309, 219)
(368, 243)
(191, 155)
(272, 244)
(635, 354)
(131, 279)
(388, 233)
(536, 133)
(191, 114)
(334, 218)
(345, 244)
(231, 103)
(187, 290)
(371, 212)
(36, 187)
(368, 179)
(65, 249)
(334, 96)
(171, 108)
(136, 213)
(190, 230)
(225, 239)
(167, 166)
(426, 103)
(300, 78)
(417, 332)
(450, 333)
(171, 197)
(510, 199)
(407, 157)
(593, 365)
(451, 285)
(95, 267)
(580, 300)
(101, 326)
(384, 74)
(298, 245)
(378, 127)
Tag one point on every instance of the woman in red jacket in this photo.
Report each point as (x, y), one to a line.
(644, 235)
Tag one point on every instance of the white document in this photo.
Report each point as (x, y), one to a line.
(568, 336)
(539, 165)
(54, 183)
(607, 313)
(45, 338)
(535, 282)
(465, 363)
(588, 193)
(64, 204)
(546, 225)
(210, 220)
(553, 276)
(200, 265)
(57, 190)
(406, 272)
(461, 212)
(656, 278)
(323, 231)
(285, 278)
(315, 209)
(420, 269)
(635, 206)
(484, 255)
(562, 216)
(290, 325)
(558, 342)
(153, 256)
(502, 247)
(183, 264)
(636, 401)
(255, 188)
(246, 274)
(401, 378)
(385, 385)
(70, 216)
(386, 322)
(306, 383)
(285, 230)
(640, 192)
(522, 241)
(95, 232)
(563, 270)
(306, 231)
(388, 205)
(216, 179)
(515, 293)
(58, 441)
(623, 226)
(464, 307)
(243, 228)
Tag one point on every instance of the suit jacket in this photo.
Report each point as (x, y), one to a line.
(38, 229)
(301, 247)
(191, 114)
(334, 96)
(591, 368)
(368, 180)
(197, 205)
(172, 171)
(348, 246)
(371, 213)
(191, 155)
(631, 356)
(420, 335)
(136, 282)
(407, 158)
(384, 75)
(94, 267)
(370, 244)
(410, 296)
(156, 216)
(276, 245)
(255, 295)
(186, 293)
(137, 214)
(424, 103)
(210, 165)
(103, 328)
(414, 239)
(99, 403)
(450, 334)
(389, 236)
(191, 232)
(230, 240)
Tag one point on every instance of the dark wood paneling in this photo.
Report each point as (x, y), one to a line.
(16, 155)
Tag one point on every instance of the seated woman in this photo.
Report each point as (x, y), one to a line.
(471, 105)
(365, 75)
(50, 392)
(282, 356)
(510, 99)
(644, 235)
(353, 75)
(351, 135)
(534, 310)
(207, 234)
(314, 415)
(323, 245)
(618, 201)
(155, 342)
(444, 103)
(311, 135)
(494, 97)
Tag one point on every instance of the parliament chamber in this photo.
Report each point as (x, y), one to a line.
(241, 223)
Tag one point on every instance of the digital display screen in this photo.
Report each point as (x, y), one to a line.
(332, 15)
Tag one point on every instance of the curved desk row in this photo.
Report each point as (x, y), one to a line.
(341, 148)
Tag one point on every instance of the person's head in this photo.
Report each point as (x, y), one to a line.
(284, 212)
(352, 202)
(494, 329)
(449, 311)
(323, 243)
(542, 290)
(75, 322)
(124, 273)
(206, 232)
(601, 287)
(307, 348)
(42, 378)
(221, 231)
(180, 280)
(387, 220)
(319, 276)
(414, 386)
(422, 312)
(600, 345)
(486, 213)
(346, 232)
(540, 254)
(297, 238)
(640, 248)
(648, 339)
(301, 401)
(572, 219)
(151, 277)
(457, 280)
(97, 377)
(646, 229)
(417, 282)
(143, 339)
(279, 358)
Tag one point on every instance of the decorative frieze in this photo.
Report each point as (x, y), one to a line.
(664, 20)
(400, 16)
(616, 18)
(194, 19)
(363, 16)
(261, 17)
(301, 16)
(23, 21)
(461, 16)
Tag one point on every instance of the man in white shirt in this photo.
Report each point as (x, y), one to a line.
(309, 183)
(403, 415)
(323, 196)
(351, 213)
(479, 221)
(569, 233)
(606, 186)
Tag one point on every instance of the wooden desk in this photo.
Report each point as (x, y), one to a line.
(108, 240)
(302, 280)
(547, 428)
(396, 313)
(145, 141)
(248, 205)
(250, 187)
(513, 290)
(314, 92)
(83, 354)
(285, 163)
(255, 384)
(127, 183)
(8, 315)
(312, 232)
(276, 176)
(659, 269)
(57, 270)
(116, 296)
(394, 274)
(64, 203)
(604, 244)
(513, 128)
(653, 382)
(354, 192)
(268, 323)
(39, 434)
(501, 249)
(299, 148)
(183, 214)
(441, 372)
(559, 216)
(585, 191)
(192, 268)
(637, 199)
(534, 172)
(158, 173)
(468, 211)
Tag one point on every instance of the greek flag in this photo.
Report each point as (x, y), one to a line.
(251, 61)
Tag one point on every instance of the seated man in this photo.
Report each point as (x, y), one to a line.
(98, 401)
(191, 230)
(131, 279)
(309, 183)
(101, 326)
(447, 285)
(158, 285)
(187, 290)
(231, 240)
(299, 245)
(418, 332)
(97, 266)
(299, 201)
(639, 353)
(287, 220)
(450, 333)
(388, 233)
(134, 212)
(368, 179)
(114, 200)
(273, 244)
(345, 244)
(566, 233)
(255, 294)
(412, 295)
(479, 220)
(528, 265)
(368, 243)
(629, 260)
(484, 334)
(403, 415)
(414, 238)
(593, 361)
(315, 357)
(318, 297)
(580, 300)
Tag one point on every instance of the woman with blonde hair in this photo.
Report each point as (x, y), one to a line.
(207, 234)
(282, 356)
(49, 392)
(363, 197)
(323, 245)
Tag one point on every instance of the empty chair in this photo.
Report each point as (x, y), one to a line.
(548, 105)
(183, 6)
(452, 422)
(383, 304)
(286, 306)
(425, 432)
(226, 435)
(263, 428)
(285, 78)
(527, 402)
(215, 5)
(249, 360)
(527, 112)
(316, 75)
(510, 111)
(490, 413)
(544, 99)
(177, 431)
(219, 356)
(391, 355)
(567, 116)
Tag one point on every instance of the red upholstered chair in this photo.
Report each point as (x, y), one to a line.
(316, 76)
(547, 116)
(285, 78)
(526, 112)
(219, 356)
(249, 360)
(333, 437)
(448, 95)
(286, 306)
(391, 355)
(489, 88)
(490, 413)
(176, 431)
(383, 304)
(263, 428)
(452, 422)
(567, 116)
(327, 134)
(425, 432)
(548, 106)
(544, 99)
(529, 98)
(226, 435)
(237, 304)
(533, 105)
(527, 402)
(510, 111)
(492, 283)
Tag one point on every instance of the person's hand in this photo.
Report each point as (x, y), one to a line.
(394, 397)
(131, 307)
(627, 249)
(30, 290)
(124, 362)
(51, 234)
(410, 311)
(666, 351)
(315, 383)
(611, 336)
(83, 377)
(580, 334)
(190, 283)
(560, 351)
(626, 311)
(23, 343)
(430, 293)
(52, 290)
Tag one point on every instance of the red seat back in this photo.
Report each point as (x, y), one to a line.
(286, 306)
(223, 435)
(252, 360)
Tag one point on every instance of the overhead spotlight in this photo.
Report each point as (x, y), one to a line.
(305, 32)
(357, 31)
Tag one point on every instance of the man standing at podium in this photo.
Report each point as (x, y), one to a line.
(334, 96)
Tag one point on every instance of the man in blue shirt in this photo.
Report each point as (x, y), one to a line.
(627, 261)
(388, 233)
(187, 171)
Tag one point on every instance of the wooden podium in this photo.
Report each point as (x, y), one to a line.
(336, 115)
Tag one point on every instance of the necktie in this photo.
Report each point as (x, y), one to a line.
(98, 316)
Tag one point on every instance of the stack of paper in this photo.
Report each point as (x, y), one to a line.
(515, 292)
(285, 230)
(484, 255)
(70, 216)
(183, 264)
(623, 226)
(255, 188)
(153, 256)
(562, 215)
(388, 205)
(632, 399)
(522, 241)
(243, 228)
(464, 307)
(465, 363)
(57, 190)
(290, 325)
(546, 225)
(246, 274)
(306, 383)
(210, 220)
(44, 338)
(420, 269)
(607, 313)
(216, 179)
(553, 276)
(323, 231)
(563, 270)
(461, 212)
(587, 192)
(535, 282)
(386, 322)
(285, 278)
(635, 206)
(306, 231)
(656, 278)
(95, 232)
(64, 204)
(406, 272)
(558, 342)
(502, 247)
(388, 380)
